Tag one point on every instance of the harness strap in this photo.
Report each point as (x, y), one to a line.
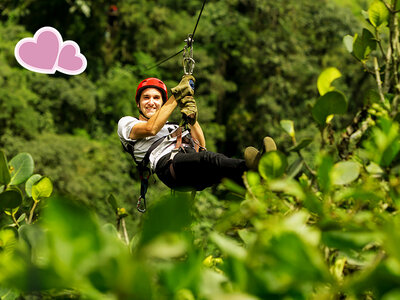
(144, 170)
(178, 138)
(144, 178)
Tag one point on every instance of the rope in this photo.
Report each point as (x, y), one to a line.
(194, 31)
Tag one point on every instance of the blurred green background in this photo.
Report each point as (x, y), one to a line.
(257, 62)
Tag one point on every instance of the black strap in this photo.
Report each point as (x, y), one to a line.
(144, 170)
(145, 161)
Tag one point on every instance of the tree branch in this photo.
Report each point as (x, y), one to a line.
(31, 213)
(378, 80)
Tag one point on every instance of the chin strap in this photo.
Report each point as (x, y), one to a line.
(140, 112)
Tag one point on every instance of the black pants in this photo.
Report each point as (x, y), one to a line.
(199, 170)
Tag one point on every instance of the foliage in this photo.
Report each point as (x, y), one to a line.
(38, 188)
(318, 221)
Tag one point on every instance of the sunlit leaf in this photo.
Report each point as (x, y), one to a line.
(374, 168)
(288, 186)
(8, 294)
(325, 80)
(331, 103)
(288, 126)
(11, 212)
(42, 189)
(345, 172)
(166, 246)
(8, 240)
(348, 41)
(378, 13)
(272, 165)
(4, 171)
(21, 168)
(253, 178)
(247, 236)
(30, 182)
(229, 246)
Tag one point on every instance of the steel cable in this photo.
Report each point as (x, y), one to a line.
(194, 31)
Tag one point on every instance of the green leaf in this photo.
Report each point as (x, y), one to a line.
(349, 240)
(166, 246)
(325, 80)
(324, 173)
(10, 198)
(329, 104)
(21, 168)
(4, 171)
(113, 202)
(247, 236)
(345, 172)
(30, 182)
(348, 41)
(21, 218)
(158, 221)
(288, 186)
(295, 167)
(374, 168)
(229, 246)
(378, 13)
(362, 46)
(272, 165)
(42, 189)
(288, 126)
(302, 144)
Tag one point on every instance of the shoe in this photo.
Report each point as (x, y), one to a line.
(252, 157)
(269, 145)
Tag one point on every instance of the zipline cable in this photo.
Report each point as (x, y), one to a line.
(164, 60)
(194, 31)
(198, 19)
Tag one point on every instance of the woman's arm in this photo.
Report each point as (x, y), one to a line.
(155, 123)
(197, 133)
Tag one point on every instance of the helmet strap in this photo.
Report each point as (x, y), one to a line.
(140, 112)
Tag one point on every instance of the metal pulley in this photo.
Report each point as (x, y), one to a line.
(188, 61)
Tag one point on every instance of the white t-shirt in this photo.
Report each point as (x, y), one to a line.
(141, 146)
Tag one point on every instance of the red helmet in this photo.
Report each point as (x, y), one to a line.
(152, 83)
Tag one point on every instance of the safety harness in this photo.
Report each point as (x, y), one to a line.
(143, 166)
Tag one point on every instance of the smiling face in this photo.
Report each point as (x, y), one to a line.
(150, 102)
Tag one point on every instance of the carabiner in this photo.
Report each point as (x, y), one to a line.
(188, 61)
(141, 206)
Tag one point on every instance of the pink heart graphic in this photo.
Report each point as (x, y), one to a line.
(40, 53)
(70, 60)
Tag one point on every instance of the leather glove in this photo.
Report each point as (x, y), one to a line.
(184, 88)
(189, 110)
